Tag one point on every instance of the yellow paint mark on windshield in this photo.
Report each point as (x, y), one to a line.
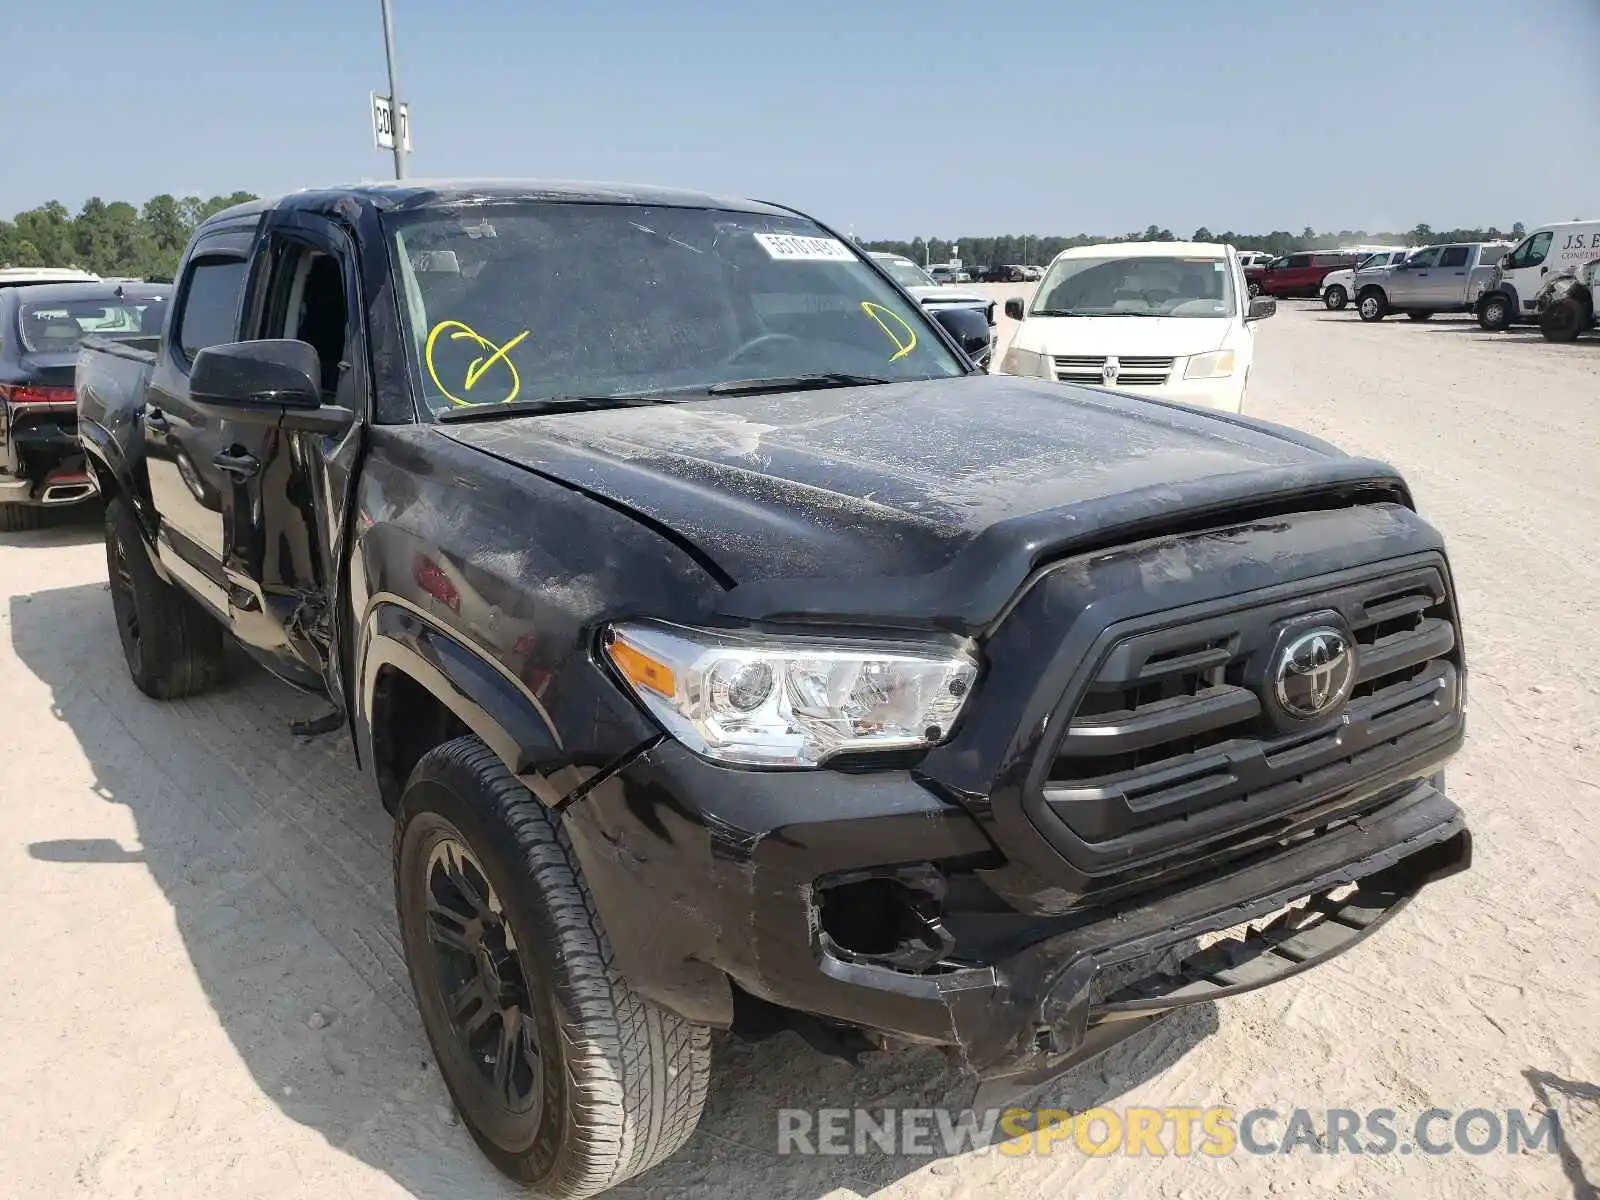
(903, 346)
(493, 356)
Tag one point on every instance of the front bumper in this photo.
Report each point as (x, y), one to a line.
(704, 874)
(1221, 395)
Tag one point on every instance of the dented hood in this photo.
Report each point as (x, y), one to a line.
(917, 503)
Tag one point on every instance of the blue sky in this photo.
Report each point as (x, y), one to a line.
(939, 117)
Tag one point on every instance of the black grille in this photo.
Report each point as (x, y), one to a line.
(1170, 745)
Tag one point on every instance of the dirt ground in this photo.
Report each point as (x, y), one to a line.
(204, 994)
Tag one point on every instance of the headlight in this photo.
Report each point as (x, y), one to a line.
(1217, 365)
(744, 698)
(1025, 362)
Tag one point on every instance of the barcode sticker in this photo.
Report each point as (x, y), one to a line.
(788, 247)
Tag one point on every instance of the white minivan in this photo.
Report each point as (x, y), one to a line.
(1166, 319)
(1547, 253)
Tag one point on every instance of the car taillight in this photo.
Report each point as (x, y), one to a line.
(28, 393)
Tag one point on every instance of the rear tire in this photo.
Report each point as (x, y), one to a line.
(1335, 298)
(1495, 313)
(1253, 288)
(16, 517)
(1563, 321)
(567, 1080)
(172, 647)
(1372, 306)
(1422, 315)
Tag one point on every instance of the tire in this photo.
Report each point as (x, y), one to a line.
(1372, 306)
(172, 646)
(1419, 315)
(16, 517)
(1563, 321)
(1495, 313)
(1335, 298)
(1253, 288)
(617, 1084)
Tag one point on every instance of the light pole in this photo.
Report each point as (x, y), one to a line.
(394, 96)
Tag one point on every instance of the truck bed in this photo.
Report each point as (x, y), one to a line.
(111, 379)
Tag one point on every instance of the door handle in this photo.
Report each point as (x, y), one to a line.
(241, 466)
(156, 420)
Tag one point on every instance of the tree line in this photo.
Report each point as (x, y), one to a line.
(109, 238)
(1028, 249)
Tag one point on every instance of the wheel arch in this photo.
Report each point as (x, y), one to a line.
(419, 685)
(1508, 292)
(115, 475)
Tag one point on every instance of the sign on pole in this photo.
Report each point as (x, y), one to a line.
(384, 120)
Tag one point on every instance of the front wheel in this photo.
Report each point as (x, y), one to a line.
(172, 647)
(1372, 306)
(1335, 298)
(1563, 321)
(1420, 315)
(567, 1080)
(1495, 314)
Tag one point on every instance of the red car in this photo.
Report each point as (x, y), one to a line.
(1298, 274)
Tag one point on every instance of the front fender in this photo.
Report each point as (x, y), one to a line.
(1561, 288)
(484, 697)
(1507, 290)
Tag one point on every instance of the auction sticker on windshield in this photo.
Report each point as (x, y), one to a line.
(792, 248)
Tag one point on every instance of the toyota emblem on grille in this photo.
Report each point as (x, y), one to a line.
(1314, 673)
(1109, 370)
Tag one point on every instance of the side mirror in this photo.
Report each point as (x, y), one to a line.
(1505, 262)
(267, 374)
(1261, 307)
(1014, 308)
(968, 327)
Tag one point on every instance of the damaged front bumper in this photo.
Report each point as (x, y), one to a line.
(704, 875)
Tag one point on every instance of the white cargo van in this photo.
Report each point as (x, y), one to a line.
(1546, 253)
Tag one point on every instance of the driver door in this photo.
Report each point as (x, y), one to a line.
(285, 486)
(1409, 281)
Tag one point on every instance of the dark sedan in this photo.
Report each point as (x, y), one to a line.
(41, 463)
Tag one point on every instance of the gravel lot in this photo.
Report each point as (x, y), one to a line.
(204, 992)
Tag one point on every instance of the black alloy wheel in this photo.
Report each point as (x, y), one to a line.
(478, 970)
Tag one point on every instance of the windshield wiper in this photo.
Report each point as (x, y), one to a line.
(544, 405)
(792, 383)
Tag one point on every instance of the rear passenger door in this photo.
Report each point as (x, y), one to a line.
(1447, 285)
(180, 437)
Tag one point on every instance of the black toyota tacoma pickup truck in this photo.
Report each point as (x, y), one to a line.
(732, 654)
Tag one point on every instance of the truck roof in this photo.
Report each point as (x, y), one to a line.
(104, 289)
(404, 194)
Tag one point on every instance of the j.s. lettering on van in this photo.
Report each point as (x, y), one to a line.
(1546, 253)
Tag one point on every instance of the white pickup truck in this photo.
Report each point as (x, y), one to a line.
(1338, 287)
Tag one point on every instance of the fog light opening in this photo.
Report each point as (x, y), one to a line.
(886, 921)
